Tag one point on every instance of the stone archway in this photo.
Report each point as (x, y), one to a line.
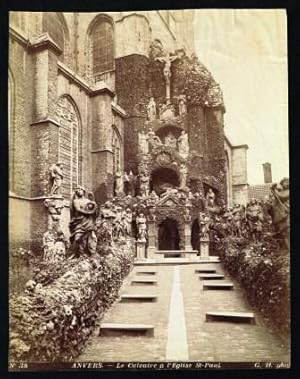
(168, 235)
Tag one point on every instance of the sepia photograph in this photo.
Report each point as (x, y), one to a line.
(149, 204)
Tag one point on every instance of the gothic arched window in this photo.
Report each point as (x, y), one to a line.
(69, 145)
(53, 25)
(102, 43)
(117, 152)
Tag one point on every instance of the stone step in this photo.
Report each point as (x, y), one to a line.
(138, 298)
(144, 281)
(211, 276)
(149, 262)
(227, 316)
(146, 272)
(217, 286)
(205, 270)
(116, 330)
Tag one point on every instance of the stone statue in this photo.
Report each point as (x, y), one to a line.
(131, 184)
(126, 183)
(183, 175)
(144, 183)
(183, 144)
(143, 143)
(83, 213)
(210, 198)
(166, 111)
(170, 140)
(118, 225)
(238, 216)
(187, 215)
(255, 218)
(128, 222)
(142, 227)
(280, 210)
(153, 139)
(119, 184)
(151, 109)
(48, 243)
(56, 178)
(182, 105)
(204, 225)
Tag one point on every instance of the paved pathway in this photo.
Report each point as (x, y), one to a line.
(181, 331)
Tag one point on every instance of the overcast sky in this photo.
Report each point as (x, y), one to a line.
(246, 51)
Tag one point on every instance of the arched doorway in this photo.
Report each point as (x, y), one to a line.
(162, 179)
(168, 235)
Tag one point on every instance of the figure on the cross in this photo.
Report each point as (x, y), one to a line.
(167, 60)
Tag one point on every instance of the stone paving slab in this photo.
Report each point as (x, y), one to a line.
(246, 317)
(113, 329)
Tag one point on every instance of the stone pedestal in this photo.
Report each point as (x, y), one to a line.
(187, 237)
(140, 250)
(204, 248)
(151, 239)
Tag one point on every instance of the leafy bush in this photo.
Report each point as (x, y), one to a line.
(263, 271)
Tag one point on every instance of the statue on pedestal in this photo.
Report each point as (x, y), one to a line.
(183, 144)
(131, 184)
(182, 105)
(153, 139)
(151, 109)
(183, 175)
(119, 184)
(83, 213)
(126, 183)
(204, 226)
(144, 183)
(143, 142)
(255, 218)
(142, 227)
(56, 178)
(210, 198)
(128, 222)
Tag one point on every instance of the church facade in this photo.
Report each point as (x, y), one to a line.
(117, 103)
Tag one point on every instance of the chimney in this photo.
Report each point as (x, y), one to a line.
(267, 172)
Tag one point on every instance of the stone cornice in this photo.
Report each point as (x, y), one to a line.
(101, 88)
(71, 75)
(45, 120)
(119, 110)
(18, 36)
(44, 41)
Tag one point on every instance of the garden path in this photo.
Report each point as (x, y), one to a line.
(181, 331)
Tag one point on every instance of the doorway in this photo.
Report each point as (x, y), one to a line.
(168, 235)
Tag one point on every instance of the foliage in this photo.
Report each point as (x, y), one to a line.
(53, 320)
(263, 271)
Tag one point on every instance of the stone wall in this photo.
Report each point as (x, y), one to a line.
(22, 72)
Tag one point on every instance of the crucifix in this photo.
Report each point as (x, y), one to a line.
(168, 59)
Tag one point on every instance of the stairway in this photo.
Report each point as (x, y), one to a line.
(182, 311)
